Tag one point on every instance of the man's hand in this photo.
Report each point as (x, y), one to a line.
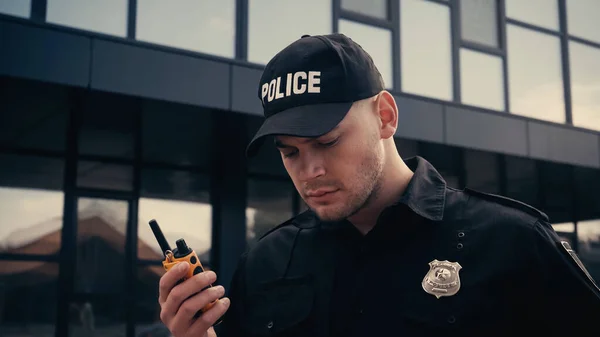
(180, 303)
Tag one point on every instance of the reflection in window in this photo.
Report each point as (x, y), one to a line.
(586, 186)
(101, 233)
(28, 298)
(34, 114)
(269, 204)
(521, 180)
(425, 49)
(375, 41)
(31, 204)
(177, 141)
(583, 19)
(446, 159)
(588, 235)
(108, 124)
(107, 16)
(585, 85)
(203, 26)
(541, 13)
(375, 8)
(105, 176)
(482, 171)
(556, 180)
(30, 171)
(30, 221)
(534, 75)
(179, 201)
(20, 8)
(481, 81)
(291, 18)
(147, 308)
(98, 316)
(479, 21)
(565, 227)
(191, 221)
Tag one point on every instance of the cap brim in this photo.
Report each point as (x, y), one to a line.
(303, 121)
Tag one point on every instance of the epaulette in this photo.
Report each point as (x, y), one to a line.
(509, 203)
(299, 221)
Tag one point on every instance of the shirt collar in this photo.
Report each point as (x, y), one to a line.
(426, 191)
(425, 195)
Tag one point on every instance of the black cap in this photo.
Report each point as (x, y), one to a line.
(308, 87)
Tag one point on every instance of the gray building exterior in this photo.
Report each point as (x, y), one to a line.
(109, 117)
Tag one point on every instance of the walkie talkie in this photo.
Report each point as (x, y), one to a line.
(179, 254)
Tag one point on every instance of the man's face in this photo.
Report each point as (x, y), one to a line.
(337, 173)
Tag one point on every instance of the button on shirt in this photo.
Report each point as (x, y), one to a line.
(366, 266)
(507, 272)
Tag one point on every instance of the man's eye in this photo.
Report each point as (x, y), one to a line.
(289, 154)
(328, 144)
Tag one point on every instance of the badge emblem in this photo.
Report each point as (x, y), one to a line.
(442, 278)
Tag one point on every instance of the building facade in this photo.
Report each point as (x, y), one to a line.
(113, 113)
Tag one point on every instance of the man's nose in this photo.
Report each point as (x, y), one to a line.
(312, 166)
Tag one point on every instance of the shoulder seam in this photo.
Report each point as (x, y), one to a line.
(285, 223)
(530, 210)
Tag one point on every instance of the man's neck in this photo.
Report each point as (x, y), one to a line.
(391, 187)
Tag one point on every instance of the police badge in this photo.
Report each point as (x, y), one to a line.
(442, 278)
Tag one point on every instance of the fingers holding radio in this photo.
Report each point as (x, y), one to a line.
(180, 294)
(188, 311)
(170, 279)
(209, 318)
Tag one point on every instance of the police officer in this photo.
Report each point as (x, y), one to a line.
(387, 248)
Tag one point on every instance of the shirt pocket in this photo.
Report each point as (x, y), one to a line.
(281, 308)
(470, 310)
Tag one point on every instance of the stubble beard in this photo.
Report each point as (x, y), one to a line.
(363, 190)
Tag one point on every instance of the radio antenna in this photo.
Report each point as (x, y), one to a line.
(164, 245)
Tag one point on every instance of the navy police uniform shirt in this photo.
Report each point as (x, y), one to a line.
(439, 262)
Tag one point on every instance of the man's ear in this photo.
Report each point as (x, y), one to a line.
(388, 113)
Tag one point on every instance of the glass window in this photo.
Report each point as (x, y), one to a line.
(446, 159)
(374, 40)
(107, 16)
(534, 75)
(92, 174)
(21, 8)
(101, 233)
(585, 85)
(180, 202)
(270, 202)
(426, 61)
(407, 148)
(588, 235)
(108, 125)
(188, 24)
(479, 21)
(482, 171)
(34, 115)
(30, 221)
(185, 140)
(103, 315)
(542, 13)
(274, 24)
(587, 185)
(481, 80)
(583, 19)
(522, 180)
(29, 297)
(31, 204)
(565, 227)
(147, 308)
(375, 8)
(557, 187)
